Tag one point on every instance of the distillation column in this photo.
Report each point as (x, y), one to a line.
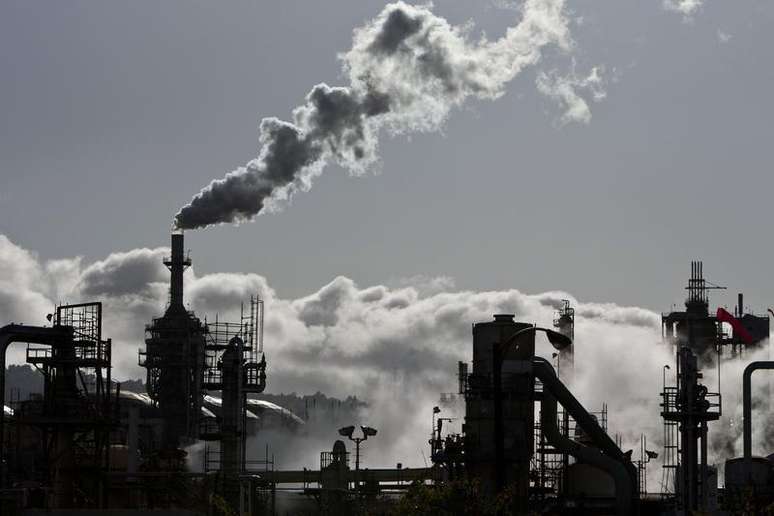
(500, 461)
(231, 421)
(174, 358)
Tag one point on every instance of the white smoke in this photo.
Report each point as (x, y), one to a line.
(685, 7)
(407, 69)
(726, 434)
(564, 89)
(394, 347)
(724, 37)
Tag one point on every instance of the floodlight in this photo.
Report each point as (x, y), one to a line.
(368, 431)
(558, 340)
(347, 431)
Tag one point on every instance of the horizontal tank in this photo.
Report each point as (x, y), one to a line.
(740, 473)
(586, 481)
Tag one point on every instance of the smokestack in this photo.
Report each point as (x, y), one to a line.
(177, 263)
(740, 306)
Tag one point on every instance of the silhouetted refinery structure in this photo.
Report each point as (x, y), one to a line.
(528, 445)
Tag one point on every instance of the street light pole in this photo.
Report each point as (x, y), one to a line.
(357, 440)
(347, 432)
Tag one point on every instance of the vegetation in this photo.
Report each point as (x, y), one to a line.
(458, 498)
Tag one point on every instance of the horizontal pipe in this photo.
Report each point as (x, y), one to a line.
(379, 475)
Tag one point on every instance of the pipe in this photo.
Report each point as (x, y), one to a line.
(747, 402)
(177, 264)
(20, 333)
(613, 461)
(132, 440)
(545, 372)
(497, 364)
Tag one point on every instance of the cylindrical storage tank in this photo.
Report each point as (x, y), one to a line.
(119, 457)
(487, 333)
(517, 385)
(740, 474)
(586, 481)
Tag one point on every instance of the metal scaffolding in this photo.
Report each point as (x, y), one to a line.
(74, 415)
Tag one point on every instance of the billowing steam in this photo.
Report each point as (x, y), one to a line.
(407, 69)
(395, 347)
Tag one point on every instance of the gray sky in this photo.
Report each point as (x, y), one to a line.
(115, 114)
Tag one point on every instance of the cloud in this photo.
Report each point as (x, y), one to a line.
(124, 273)
(427, 285)
(26, 287)
(395, 346)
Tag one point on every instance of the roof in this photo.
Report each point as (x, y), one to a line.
(273, 407)
(259, 406)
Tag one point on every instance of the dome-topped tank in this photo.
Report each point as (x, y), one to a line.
(587, 481)
(740, 473)
(485, 334)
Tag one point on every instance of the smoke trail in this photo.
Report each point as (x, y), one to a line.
(407, 69)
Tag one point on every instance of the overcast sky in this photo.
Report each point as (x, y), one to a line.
(115, 113)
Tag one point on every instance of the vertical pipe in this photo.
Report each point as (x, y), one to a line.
(498, 418)
(132, 439)
(176, 268)
(4, 342)
(704, 473)
(357, 464)
(747, 402)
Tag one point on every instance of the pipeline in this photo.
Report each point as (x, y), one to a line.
(21, 333)
(747, 402)
(613, 460)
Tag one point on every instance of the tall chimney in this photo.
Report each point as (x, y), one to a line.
(740, 305)
(177, 264)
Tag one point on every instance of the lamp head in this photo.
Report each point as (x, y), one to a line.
(368, 431)
(558, 340)
(347, 431)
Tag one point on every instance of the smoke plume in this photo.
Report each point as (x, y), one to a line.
(407, 69)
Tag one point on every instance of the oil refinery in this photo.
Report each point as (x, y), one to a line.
(465, 317)
(527, 445)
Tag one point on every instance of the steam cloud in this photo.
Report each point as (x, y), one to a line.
(407, 69)
(685, 7)
(394, 346)
(564, 89)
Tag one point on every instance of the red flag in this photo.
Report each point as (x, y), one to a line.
(736, 324)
